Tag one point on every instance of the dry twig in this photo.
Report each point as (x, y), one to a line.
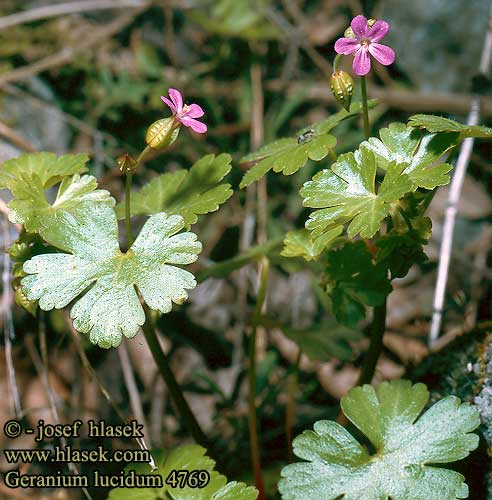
(454, 196)
(65, 55)
(62, 9)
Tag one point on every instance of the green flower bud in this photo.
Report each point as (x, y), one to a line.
(349, 33)
(162, 133)
(342, 86)
(126, 163)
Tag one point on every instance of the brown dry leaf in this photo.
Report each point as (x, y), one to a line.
(409, 350)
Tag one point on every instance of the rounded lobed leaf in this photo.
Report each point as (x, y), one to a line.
(337, 467)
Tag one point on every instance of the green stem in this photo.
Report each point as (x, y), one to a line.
(151, 337)
(376, 346)
(128, 219)
(365, 109)
(290, 407)
(174, 390)
(128, 192)
(252, 421)
(336, 62)
(332, 155)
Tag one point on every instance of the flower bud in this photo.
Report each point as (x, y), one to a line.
(126, 163)
(342, 86)
(162, 133)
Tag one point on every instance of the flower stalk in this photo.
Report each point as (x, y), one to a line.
(365, 109)
(252, 419)
(290, 407)
(129, 166)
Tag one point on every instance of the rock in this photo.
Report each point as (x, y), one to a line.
(464, 369)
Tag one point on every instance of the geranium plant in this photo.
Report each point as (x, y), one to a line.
(366, 227)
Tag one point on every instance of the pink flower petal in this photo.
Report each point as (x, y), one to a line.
(170, 104)
(359, 26)
(362, 62)
(195, 125)
(195, 111)
(177, 99)
(378, 31)
(382, 53)
(346, 45)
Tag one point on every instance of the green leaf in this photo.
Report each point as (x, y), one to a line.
(186, 458)
(325, 341)
(399, 252)
(356, 281)
(111, 307)
(328, 124)
(29, 175)
(188, 193)
(299, 243)
(24, 248)
(419, 152)
(236, 18)
(346, 193)
(407, 447)
(439, 124)
(288, 155)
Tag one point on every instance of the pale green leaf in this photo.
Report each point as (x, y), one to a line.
(407, 447)
(325, 341)
(434, 123)
(46, 169)
(188, 193)
(346, 193)
(29, 175)
(288, 156)
(185, 458)
(95, 265)
(328, 124)
(300, 243)
(418, 151)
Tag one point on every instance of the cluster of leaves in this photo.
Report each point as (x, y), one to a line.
(337, 466)
(82, 223)
(289, 154)
(186, 458)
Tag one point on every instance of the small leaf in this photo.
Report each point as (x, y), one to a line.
(434, 123)
(328, 124)
(188, 193)
(186, 458)
(30, 175)
(325, 341)
(287, 156)
(44, 169)
(346, 194)
(299, 243)
(111, 307)
(356, 281)
(338, 467)
(407, 145)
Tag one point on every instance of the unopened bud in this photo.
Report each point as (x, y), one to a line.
(162, 133)
(126, 163)
(342, 86)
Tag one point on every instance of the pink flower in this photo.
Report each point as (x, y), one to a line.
(185, 114)
(365, 43)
